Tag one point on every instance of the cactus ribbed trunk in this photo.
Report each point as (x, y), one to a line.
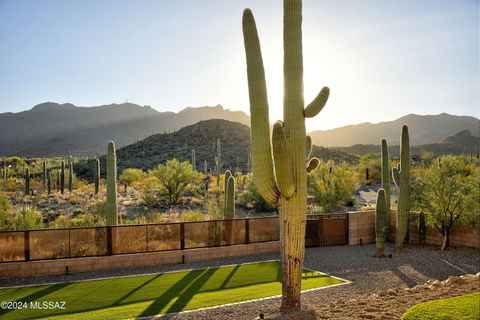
(111, 203)
(282, 178)
(229, 213)
(194, 161)
(226, 176)
(58, 180)
(97, 175)
(380, 216)
(401, 176)
(386, 186)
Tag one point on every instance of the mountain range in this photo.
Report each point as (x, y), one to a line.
(423, 129)
(52, 129)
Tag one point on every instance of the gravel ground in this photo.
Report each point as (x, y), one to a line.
(369, 275)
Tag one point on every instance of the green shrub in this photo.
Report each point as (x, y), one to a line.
(191, 215)
(250, 198)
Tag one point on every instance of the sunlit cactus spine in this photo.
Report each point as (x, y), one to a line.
(27, 181)
(194, 162)
(62, 178)
(282, 179)
(49, 182)
(386, 185)
(97, 175)
(380, 216)
(401, 177)
(111, 203)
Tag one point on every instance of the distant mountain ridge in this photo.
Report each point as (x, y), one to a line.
(423, 129)
(201, 136)
(50, 129)
(461, 143)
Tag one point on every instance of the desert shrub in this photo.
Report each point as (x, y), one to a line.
(214, 207)
(332, 185)
(175, 179)
(5, 211)
(250, 198)
(448, 194)
(372, 161)
(131, 175)
(28, 218)
(192, 215)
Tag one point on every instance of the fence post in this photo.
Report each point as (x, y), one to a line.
(247, 231)
(109, 241)
(182, 236)
(26, 242)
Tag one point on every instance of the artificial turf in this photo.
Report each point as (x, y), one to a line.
(141, 296)
(463, 307)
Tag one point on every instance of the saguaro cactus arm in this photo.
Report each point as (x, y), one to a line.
(317, 104)
(308, 147)
(283, 167)
(262, 165)
(313, 164)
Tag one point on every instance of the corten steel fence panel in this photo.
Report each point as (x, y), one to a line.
(129, 239)
(264, 229)
(49, 244)
(201, 234)
(163, 237)
(312, 233)
(334, 230)
(12, 246)
(231, 232)
(86, 242)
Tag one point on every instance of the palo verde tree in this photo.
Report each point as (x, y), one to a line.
(175, 177)
(283, 178)
(447, 195)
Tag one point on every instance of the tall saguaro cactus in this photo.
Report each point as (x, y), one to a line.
(229, 212)
(44, 175)
(401, 177)
(97, 175)
(111, 204)
(62, 178)
(282, 178)
(49, 182)
(386, 185)
(380, 216)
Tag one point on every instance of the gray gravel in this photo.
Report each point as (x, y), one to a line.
(407, 268)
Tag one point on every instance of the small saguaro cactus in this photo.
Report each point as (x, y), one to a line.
(401, 177)
(227, 176)
(386, 185)
(229, 212)
(97, 175)
(380, 215)
(62, 178)
(44, 174)
(367, 176)
(111, 203)
(70, 176)
(58, 180)
(49, 182)
(205, 167)
(27, 181)
(194, 162)
(283, 178)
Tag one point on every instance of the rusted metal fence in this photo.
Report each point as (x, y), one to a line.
(28, 245)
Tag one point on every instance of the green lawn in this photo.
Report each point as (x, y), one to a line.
(139, 296)
(458, 308)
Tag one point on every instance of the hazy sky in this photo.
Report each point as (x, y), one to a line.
(381, 59)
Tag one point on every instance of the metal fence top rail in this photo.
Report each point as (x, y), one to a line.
(136, 225)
